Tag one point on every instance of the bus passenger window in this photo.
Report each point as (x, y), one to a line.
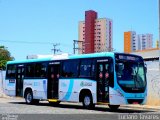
(86, 68)
(40, 70)
(70, 68)
(11, 71)
(30, 70)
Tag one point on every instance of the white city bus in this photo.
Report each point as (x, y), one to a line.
(100, 78)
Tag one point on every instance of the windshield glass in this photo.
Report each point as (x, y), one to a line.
(131, 75)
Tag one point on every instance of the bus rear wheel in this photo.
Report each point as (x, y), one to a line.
(113, 107)
(29, 97)
(88, 102)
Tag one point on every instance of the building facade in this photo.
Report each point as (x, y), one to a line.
(135, 42)
(146, 41)
(129, 41)
(96, 34)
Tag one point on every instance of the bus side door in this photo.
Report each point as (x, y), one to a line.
(104, 77)
(53, 79)
(19, 80)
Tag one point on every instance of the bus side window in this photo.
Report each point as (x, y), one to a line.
(11, 71)
(87, 68)
(40, 70)
(30, 70)
(70, 68)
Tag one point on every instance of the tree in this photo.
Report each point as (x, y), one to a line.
(4, 57)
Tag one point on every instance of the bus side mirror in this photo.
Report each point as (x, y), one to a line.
(145, 68)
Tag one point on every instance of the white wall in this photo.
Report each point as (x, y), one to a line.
(2, 78)
(153, 79)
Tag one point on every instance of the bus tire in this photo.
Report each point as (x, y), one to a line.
(114, 107)
(29, 97)
(88, 101)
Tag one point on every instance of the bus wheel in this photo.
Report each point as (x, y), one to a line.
(113, 107)
(88, 102)
(29, 97)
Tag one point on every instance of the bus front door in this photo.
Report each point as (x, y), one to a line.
(103, 82)
(53, 78)
(19, 80)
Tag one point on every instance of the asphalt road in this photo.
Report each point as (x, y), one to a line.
(16, 109)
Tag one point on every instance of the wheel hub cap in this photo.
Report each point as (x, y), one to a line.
(29, 97)
(87, 100)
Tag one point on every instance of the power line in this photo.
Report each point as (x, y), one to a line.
(26, 42)
(29, 42)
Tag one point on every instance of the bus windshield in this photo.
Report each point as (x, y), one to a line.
(131, 75)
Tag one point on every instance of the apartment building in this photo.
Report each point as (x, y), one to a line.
(96, 34)
(135, 42)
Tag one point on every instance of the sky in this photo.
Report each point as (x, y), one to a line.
(29, 27)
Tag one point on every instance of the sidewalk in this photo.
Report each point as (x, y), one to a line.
(149, 107)
(2, 95)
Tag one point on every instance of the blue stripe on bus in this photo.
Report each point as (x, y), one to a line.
(102, 54)
(29, 60)
(70, 88)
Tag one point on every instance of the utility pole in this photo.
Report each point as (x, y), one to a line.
(54, 48)
(77, 48)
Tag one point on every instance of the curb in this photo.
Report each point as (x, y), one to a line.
(143, 107)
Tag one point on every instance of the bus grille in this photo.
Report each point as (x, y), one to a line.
(135, 101)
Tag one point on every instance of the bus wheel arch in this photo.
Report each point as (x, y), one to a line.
(28, 95)
(86, 98)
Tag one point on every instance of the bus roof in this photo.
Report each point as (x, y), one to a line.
(28, 60)
(102, 54)
(61, 57)
(65, 56)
